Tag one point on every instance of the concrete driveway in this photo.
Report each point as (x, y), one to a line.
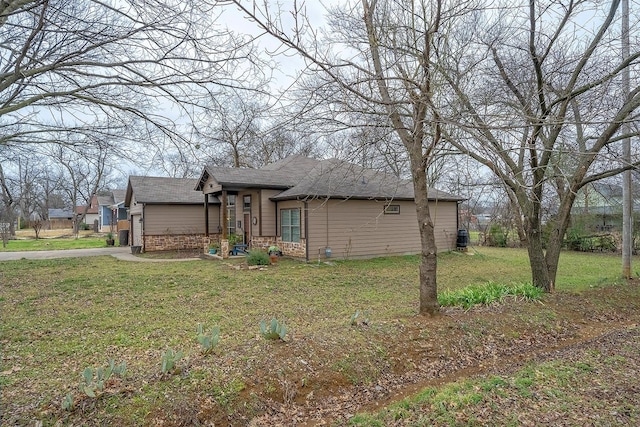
(120, 252)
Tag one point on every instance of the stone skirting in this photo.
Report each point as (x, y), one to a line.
(175, 242)
(293, 249)
(201, 242)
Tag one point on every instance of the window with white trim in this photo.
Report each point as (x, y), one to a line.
(290, 225)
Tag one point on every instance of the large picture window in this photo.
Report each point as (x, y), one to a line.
(290, 225)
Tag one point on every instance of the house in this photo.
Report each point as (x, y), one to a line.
(317, 209)
(598, 206)
(111, 209)
(168, 214)
(59, 219)
(91, 211)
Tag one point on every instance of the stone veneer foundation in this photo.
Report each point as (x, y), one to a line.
(201, 242)
(175, 242)
(293, 249)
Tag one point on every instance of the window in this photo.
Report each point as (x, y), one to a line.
(231, 214)
(392, 210)
(246, 203)
(290, 226)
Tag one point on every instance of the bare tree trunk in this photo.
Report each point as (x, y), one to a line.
(428, 258)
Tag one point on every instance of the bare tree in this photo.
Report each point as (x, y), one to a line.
(376, 58)
(21, 180)
(229, 128)
(65, 66)
(83, 173)
(539, 100)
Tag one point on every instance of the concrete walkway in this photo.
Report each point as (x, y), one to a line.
(120, 252)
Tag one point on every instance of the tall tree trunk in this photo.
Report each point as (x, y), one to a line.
(428, 259)
(537, 260)
(556, 238)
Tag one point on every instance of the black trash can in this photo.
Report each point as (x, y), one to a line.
(123, 237)
(463, 239)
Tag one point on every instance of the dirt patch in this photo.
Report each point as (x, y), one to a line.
(457, 344)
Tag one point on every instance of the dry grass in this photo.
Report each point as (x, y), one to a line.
(60, 316)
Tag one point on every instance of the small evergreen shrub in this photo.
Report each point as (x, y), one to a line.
(257, 257)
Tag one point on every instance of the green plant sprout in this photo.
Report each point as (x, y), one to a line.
(208, 341)
(94, 380)
(169, 359)
(276, 330)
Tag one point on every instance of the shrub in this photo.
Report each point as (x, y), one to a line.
(497, 236)
(234, 239)
(574, 239)
(258, 257)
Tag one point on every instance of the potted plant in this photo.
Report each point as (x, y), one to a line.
(110, 239)
(214, 247)
(274, 252)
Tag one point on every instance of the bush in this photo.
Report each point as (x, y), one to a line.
(497, 236)
(258, 258)
(575, 239)
(234, 239)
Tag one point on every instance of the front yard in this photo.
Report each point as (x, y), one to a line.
(62, 316)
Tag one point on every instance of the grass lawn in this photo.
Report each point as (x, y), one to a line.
(53, 240)
(62, 316)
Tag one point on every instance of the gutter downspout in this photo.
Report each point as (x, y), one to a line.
(306, 230)
(144, 241)
(206, 215)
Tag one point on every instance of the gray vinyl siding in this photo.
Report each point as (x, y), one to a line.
(179, 219)
(360, 229)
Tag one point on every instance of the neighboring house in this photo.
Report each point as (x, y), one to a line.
(111, 209)
(600, 204)
(168, 214)
(59, 219)
(316, 209)
(91, 211)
